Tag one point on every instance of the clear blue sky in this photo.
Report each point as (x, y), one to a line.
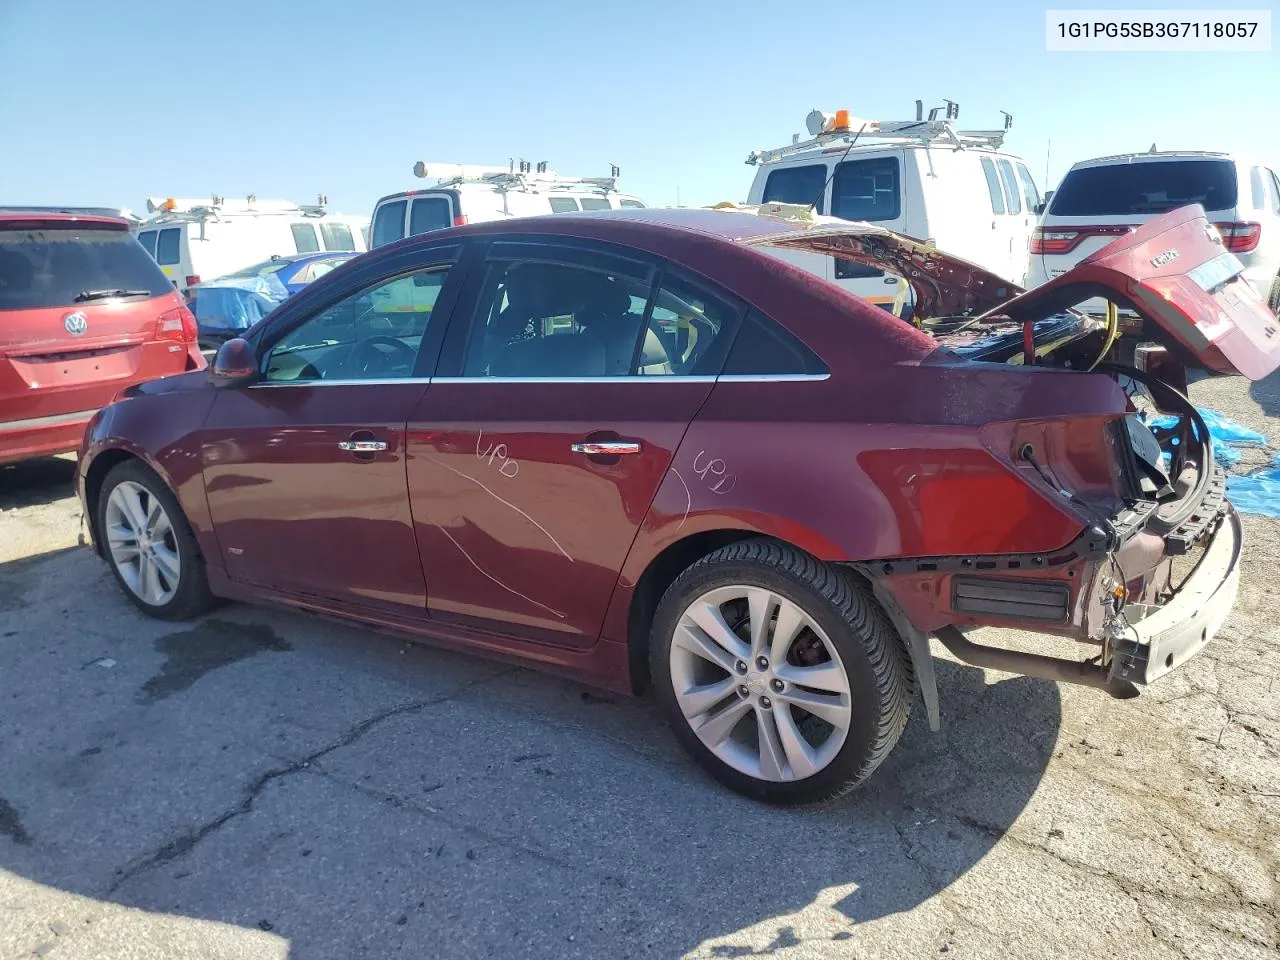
(107, 101)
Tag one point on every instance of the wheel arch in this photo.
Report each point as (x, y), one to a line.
(101, 464)
(658, 575)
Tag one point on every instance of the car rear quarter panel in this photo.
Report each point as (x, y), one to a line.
(887, 465)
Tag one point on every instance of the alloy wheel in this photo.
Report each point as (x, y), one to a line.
(142, 543)
(760, 683)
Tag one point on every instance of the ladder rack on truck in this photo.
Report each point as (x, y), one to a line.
(841, 130)
(527, 177)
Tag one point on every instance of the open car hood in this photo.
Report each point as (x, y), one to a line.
(1173, 271)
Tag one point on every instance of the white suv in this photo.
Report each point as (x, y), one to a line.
(470, 194)
(1101, 199)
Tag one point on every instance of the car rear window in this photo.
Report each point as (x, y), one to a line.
(388, 223)
(337, 236)
(1150, 187)
(797, 185)
(148, 240)
(866, 190)
(429, 213)
(51, 268)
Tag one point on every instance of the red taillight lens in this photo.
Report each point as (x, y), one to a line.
(179, 324)
(1240, 237)
(193, 281)
(1057, 240)
(460, 220)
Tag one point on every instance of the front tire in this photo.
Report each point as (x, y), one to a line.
(780, 674)
(149, 545)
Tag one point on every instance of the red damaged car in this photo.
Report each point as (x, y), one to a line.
(641, 449)
(84, 312)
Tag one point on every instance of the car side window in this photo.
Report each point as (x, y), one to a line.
(595, 203)
(563, 204)
(1014, 202)
(1029, 191)
(993, 186)
(1275, 191)
(536, 320)
(304, 237)
(630, 204)
(337, 236)
(687, 332)
(371, 335)
(763, 348)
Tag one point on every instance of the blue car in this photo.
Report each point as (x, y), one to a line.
(230, 305)
(295, 272)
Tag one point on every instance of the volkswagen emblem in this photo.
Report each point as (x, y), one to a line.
(76, 323)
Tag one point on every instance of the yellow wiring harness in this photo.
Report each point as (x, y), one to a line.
(1113, 331)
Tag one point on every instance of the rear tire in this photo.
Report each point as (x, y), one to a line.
(780, 675)
(149, 545)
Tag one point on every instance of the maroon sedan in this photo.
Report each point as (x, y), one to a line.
(641, 448)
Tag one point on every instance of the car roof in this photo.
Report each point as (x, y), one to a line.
(638, 224)
(1159, 155)
(17, 217)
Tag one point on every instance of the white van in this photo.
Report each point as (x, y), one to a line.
(923, 178)
(1101, 199)
(191, 239)
(471, 194)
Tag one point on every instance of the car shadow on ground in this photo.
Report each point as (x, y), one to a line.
(349, 793)
(35, 482)
(1266, 393)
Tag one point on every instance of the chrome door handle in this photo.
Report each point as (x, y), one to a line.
(362, 446)
(606, 448)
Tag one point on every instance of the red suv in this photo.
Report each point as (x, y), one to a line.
(84, 313)
(642, 449)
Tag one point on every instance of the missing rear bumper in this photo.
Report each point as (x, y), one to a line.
(1158, 639)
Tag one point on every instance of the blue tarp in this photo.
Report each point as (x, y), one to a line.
(236, 303)
(1255, 492)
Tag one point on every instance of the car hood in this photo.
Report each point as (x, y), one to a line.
(1173, 271)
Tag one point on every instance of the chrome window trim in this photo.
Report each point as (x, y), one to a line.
(656, 378)
(372, 381)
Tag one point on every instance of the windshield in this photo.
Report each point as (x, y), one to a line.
(1153, 186)
(51, 268)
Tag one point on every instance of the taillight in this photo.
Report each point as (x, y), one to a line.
(460, 220)
(1240, 237)
(192, 281)
(1057, 240)
(179, 324)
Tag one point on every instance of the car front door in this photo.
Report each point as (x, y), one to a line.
(305, 469)
(569, 377)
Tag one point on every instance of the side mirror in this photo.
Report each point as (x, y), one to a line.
(235, 364)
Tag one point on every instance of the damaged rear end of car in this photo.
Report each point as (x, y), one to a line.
(1097, 434)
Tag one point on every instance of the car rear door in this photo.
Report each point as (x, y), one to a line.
(84, 312)
(305, 470)
(535, 454)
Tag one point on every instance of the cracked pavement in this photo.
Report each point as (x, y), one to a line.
(263, 784)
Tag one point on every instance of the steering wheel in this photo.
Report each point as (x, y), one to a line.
(369, 357)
